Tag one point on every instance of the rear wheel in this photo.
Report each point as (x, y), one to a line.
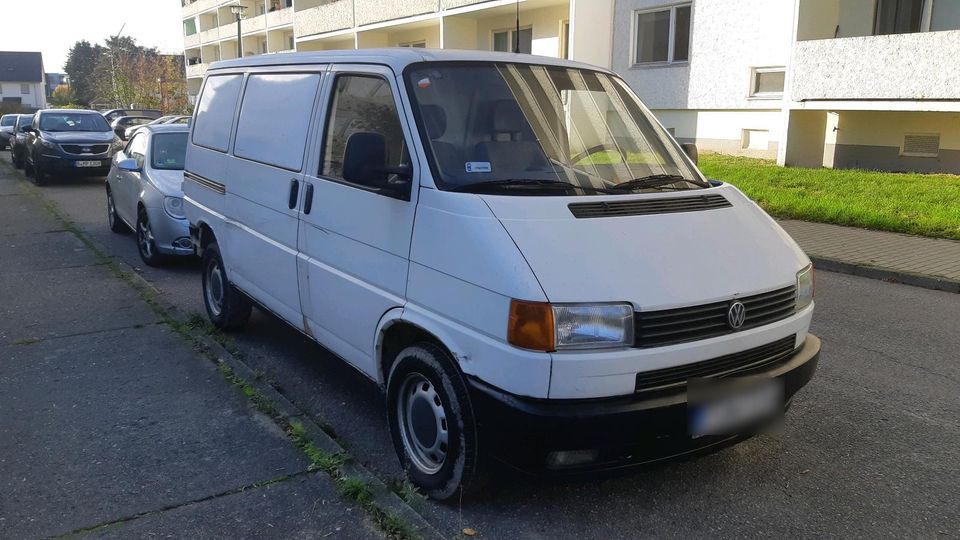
(227, 307)
(432, 423)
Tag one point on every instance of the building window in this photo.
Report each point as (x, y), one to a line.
(505, 40)
(414, 44)
(767, 82)
(24, 88)
(921, 145)
(945, 15)
(755, 139)
(663, 35)
(898, 16)
(290, 44)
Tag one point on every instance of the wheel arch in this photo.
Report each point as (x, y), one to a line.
(399, 328)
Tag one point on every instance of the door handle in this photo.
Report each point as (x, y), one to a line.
(308, 199)
(294, 191)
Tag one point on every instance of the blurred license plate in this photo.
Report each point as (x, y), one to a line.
(87, 163)
(732, 406)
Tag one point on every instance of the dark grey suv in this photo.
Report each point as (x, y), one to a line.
(68, 142)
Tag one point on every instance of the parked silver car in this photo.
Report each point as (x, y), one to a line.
(144, 192)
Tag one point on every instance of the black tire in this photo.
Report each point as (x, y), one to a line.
(424, 380)
(234, 308)
(39, 175)
(17, 162)
(116, 224)
(146, 244)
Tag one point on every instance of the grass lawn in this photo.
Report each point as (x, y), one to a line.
(923, 204)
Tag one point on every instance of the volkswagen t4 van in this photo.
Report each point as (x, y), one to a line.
(512, 246)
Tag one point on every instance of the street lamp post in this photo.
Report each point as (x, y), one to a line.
(160, 84)
(237, 11)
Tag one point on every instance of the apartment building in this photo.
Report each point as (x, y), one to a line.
(22, 80)
(577, 29)
(869, 84)
(836, 83)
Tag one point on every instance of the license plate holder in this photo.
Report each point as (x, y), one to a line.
(732, 406)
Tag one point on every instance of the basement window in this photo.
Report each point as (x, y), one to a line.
(921, 145)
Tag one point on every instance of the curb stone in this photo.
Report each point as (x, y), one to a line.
(885, 274)
(287, 411)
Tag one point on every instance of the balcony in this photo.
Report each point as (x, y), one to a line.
(279, 17)
(198, 6)
(210, 36)
(329, 17)
(889, 67)
(374, 11)
(251, 24)
(191, 41)
(196, 70)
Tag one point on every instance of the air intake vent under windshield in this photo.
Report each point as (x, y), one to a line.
(642, 207)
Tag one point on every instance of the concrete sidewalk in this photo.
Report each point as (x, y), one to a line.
(111, 424)
(932, 263)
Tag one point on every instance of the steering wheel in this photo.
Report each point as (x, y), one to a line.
(593, 150)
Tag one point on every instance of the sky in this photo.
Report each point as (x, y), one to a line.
(53, 26)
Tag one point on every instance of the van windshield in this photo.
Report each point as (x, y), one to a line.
(521, 129)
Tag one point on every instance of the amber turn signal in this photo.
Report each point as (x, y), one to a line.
(531, 325)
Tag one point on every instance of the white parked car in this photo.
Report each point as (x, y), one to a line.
(144, 192)
(511, 245)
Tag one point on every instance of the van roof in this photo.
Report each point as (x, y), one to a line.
(396, 57)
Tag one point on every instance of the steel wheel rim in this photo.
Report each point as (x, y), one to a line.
(145, 237)
(423, 423)
(214, 288)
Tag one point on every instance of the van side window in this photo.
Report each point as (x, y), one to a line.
(274, 118)
(362, 104)
(137, 149)
(215, 111)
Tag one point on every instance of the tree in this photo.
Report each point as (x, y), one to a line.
(82, 62)
(62, 95)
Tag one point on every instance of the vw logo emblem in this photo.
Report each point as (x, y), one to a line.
(736, 315)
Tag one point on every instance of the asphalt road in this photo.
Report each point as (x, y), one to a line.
(870, 448)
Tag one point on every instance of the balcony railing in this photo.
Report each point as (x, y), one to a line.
(891, 67)
(373, 11)
(279, 17)
(196, 70)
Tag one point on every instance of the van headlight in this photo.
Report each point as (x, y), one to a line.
(556, 327)
(173, 207)
(805, 287)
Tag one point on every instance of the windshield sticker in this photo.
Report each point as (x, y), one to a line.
(478, 166)
(424, 83)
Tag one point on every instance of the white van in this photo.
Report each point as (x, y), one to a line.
(512, 246)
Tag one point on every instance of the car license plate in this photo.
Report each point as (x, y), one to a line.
(87, 163)
(732, 406)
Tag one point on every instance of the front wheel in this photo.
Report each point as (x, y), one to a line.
(432, 423)
(39, 175)
(146, 243)
(227, 307)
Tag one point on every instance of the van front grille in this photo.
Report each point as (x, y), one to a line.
(85, 148)
(670, 326)
(739, 363)
(642, 207)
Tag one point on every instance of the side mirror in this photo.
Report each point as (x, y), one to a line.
(691, 150)
(120, 131)
(364, 163)
(28, 129)
(128, 164)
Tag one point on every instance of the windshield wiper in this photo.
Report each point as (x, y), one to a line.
(527, 184)
(654, 181)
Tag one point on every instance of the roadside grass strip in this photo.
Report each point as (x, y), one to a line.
(920, 204)
(354, 483)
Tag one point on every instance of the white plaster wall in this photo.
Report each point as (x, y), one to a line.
(720, 125)
(371, 11)
(904, 66)
(430, 34)
(729, 37)
(37, 97)
(881, 128)
(591, 40)
(328, 17)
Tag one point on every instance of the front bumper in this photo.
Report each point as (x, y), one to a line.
(622, 431)
(171, 235)
(67, 165)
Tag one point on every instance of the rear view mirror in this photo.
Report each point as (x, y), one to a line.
(128, 164)
(691, 150)
(364, 163)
